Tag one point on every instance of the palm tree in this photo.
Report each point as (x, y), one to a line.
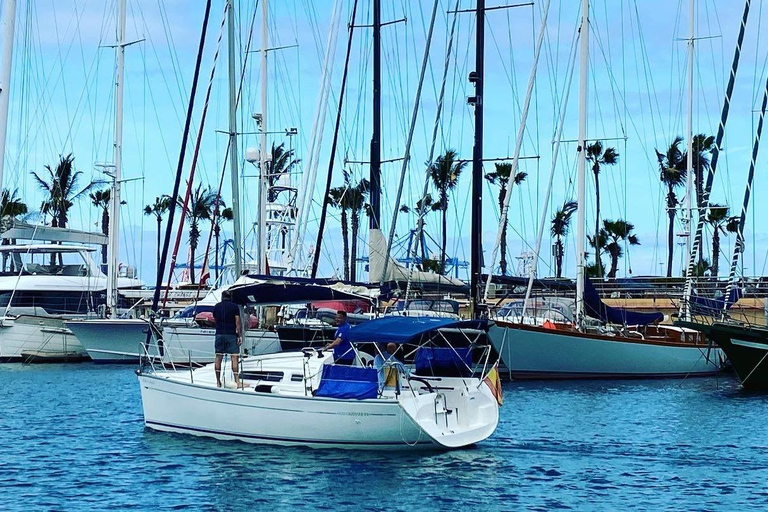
(615, 233)
(598, 157)
(356, 201)
(201, 204)
(703, 145)
(422, 207)
(502, 176)
(444, 173)
(100, 199)
(718, 217)
(599, 243)
(672, 173)
(224, 215)
(282, 162)
(11, 206)
(561, 222)
(61, 187)
(337, 199)
(161, 206)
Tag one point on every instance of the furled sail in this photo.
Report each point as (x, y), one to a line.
(396, 272)
(596, 308)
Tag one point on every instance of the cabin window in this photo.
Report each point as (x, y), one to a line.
(261, 375)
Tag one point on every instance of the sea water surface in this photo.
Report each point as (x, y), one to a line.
(72, 437)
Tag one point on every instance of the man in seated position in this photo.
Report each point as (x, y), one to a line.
(228, 334)
(343, 353)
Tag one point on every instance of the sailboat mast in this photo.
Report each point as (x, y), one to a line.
(689, 164)
(581, 227)
(375, 193)
(476, 241)
(7, 26)
(114, 201)
(234, 175)
(263, 177)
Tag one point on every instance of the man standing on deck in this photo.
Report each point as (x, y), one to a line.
(343, 353)
(228, 334)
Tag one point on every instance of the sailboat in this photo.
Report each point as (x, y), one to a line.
(303, 399)
(745, 345)
(623, 344)
(112, 339)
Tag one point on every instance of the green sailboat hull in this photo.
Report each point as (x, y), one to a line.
(745, 346)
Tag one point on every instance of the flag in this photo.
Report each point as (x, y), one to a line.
(493, 381)
(205, 273)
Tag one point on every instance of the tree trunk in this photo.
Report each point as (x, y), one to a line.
(598, 261)
(159, 228)
(216, 234)
(503, 239)
(614, 263)
(671, 203)
(353, 255)
(193, 236)
(559, 258)
(105, 230)
(444, 204)
(345, 242)
(715, 251)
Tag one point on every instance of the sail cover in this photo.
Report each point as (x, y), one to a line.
(714, 306)
(406, 329)
(278, 292)
(596, 308)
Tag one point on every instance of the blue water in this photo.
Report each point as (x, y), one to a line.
(72, 437)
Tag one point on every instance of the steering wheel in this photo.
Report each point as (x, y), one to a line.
(423, 381)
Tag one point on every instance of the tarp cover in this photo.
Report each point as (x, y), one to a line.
(286, 292)
(547, 284)
(405, 329)
(443, 361)
(339, 381)
(596, 308)
(714, 306)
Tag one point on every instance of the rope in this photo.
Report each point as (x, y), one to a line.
(422, 210)
(543, 219)
(685, 312)
(739, 246)
(195, 155)
(518, 145)
(318, 125)
(407, 155)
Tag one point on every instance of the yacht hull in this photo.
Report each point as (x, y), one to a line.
(531, 352)
(39, 339)
(113, 341)
(183, 344)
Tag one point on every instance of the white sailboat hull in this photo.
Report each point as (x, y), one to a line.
(113, 341)
(182, 344)
(39, 339)
(537, 353)
(181, 404)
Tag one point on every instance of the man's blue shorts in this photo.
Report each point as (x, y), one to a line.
(226, 344)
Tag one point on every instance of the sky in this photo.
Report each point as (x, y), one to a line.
(62, 101)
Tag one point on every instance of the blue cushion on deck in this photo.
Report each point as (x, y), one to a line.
(339, 381)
